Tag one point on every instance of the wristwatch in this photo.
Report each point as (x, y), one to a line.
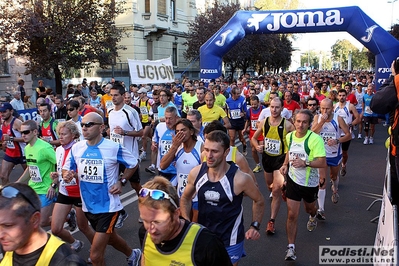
(53, 185)
(125, 132)
(123, 181)
(307, 163)
(256, 225)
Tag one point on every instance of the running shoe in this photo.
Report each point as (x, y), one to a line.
(371, 140)
(366, 141)
(335, 197)
(257, 169)
(353, 135)
(72, 220)
(359, 136)
(121, 219)
(134, 259)
(244, 150)
(143, 156)
(270, 228)
(320, 215)
(312, 224)
(150, 169)
(77, 245)
(343, 170)
(290, 254)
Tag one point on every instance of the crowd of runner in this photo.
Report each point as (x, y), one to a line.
(86, 145)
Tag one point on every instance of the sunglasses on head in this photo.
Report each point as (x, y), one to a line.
(89, 124)
(12, 192)
(26, 132)
(156, 194)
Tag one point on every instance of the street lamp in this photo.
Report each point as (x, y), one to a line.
(393, 3)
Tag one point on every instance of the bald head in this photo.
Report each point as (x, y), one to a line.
(93, 117)
(326, 102)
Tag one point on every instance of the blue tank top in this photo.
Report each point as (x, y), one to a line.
(220, 210)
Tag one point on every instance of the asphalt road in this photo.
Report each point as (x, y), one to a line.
(347, 223)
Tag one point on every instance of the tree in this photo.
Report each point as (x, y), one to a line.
(58, 35)
(340, 52)
(255, 51)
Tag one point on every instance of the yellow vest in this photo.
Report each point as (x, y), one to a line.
(144, 110)
(273, 143)
(182, 255)
(51, 247)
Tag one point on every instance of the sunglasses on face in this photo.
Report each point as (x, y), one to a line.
(26, 132)
(312, 104)
(71, 109)
(89, 124)
(12, 192)
(156, 194)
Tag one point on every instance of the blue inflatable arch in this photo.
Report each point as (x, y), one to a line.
(351, 19)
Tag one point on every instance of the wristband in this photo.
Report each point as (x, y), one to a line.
(53, 185)
(255, 225)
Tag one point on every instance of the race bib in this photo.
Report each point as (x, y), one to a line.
(254, 124)
(156, 116)
(10, 144)
(165, 146)
(181, 183)
(327, 136)
(235, 114)
(143, 110)
(35, 174)
(367, 110)
(109, 104)
(91, 170)
(60, 120)
(116, 138)
(272, 146)
(65, 184)
(48, 138)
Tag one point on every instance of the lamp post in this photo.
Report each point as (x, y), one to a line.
(393, 3)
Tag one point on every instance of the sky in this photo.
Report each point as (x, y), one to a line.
(382, 12)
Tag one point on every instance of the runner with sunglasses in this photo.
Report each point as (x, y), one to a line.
(170, 238)
(97, 161)
(22, 238)
(40, 158)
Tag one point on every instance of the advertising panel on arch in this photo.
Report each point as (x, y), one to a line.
(350, 19)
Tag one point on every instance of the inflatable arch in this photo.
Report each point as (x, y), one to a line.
(350, 19)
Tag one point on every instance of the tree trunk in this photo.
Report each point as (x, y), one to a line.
(58, 80)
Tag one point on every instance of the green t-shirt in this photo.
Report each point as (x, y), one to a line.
(220, 100)
(41, 161)
(188, 102)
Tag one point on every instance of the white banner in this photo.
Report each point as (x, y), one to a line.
(147, 72)
(387, 224)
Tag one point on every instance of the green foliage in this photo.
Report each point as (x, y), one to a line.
(58, 35)
(341, 50)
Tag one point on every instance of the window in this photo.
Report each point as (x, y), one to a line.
(147, 8)
(149, 49)
(3, 65)
(174, 54)
(162, 7)
(173, 10)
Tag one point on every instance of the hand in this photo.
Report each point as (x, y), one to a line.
(298, 163)
(51, 192)
(69, 175)
(260, 148)
(324, 117)
(118, 130)
(252, 234)
(284, 169)
(54, 175)
(116, 188)
(154, 146)
(177, 139)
